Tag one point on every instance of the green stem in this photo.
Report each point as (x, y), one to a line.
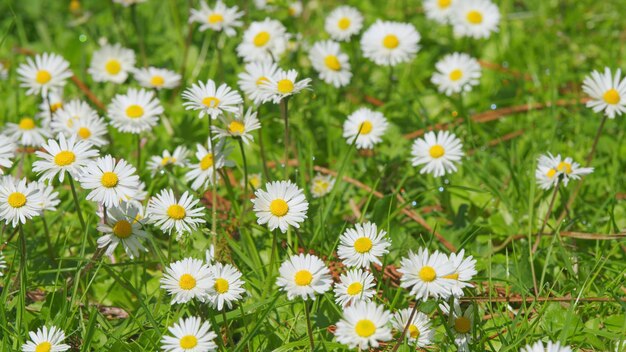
(138, 32)
(77, 204)
(23, 277)
(48, 241)
(270, 270)
(138, 153)
(245, 177)
(284, 114)
(266, 173)
(228, 332)
(213, 181)
(545, 219)
(308, 326)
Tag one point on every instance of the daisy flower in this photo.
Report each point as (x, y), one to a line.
(419, 332)
(178, 158)
(321, 185)
(4, 71)
(169, 213)
(283, 204)
(18, 201)
(227, 287)
(254, 180)
(238, 125)
(44, 73)
(363, 245)
(252, 79)
(157, 78)
(3, 264)
(364, 325)
(263, 41)
(111, 63)
(45, 339)
(7, 153)
(282, 85)
(26, 132)
(304, 276)
(461, 324)
(210, 160)
(332, 65)
(51, 104)
(465, 269)
(121, 227)
(295, 8)
(219, 18)
(439, 10)
(65, 119)
(426, 274)
(343, 22)
(475, 18)
(191, 334)
(550, 347)
(49, 197)
(437, 152)
(127, 3)
(367, 126)
(91, 130)
(390, 43)
(111, 181)
(187, 279)
(553, 169)
(456, 73)
(211, 100)
(607, 92)
(209, 255)
(355, 285)
(64, 155)
(136, 111)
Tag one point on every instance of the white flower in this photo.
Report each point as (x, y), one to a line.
(461, 324)
(50, 104)
(122, 227)
(49, 197)
(210, 100)
(439, 153)
(304, 276)
(254, 180)
(355, 285)
(7, 153)
(390, 43)
(283, 204)
(3, 264)
(44, 340)
(282, 85)
(168, 213)
(136, 111)
(218, 18)
(26, 133)
(91, 130)
(238, 126)
(439, 10)
(343, 22)
(456, 73)
(363, 245)
(607, 92)
(209, 255)
(78, 118)
(465, 269)
(209, 159)
(45, 73)
(111, 181)
(419, 332)
(426, 274)
(252, 79)
(364, 325)
(553, 169)
(59, 157)
(4, 71)
(127, 3)
(227, 287)
(190, 335)
(263, 41)
(321, 185)
(178, 158)
(475, 18)
(111, 63)
(368, 125)
(157, 78)
(549, 347)
(187, 279)
(18, 201)
(332, 64)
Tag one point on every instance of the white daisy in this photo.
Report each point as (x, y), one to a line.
(263, 41)
(607, 92)
(122, 227)
(304, 276)
(3, 264)
(181, 215)
(18, 201)
(136, 111)
(64, 155)
(321, 185)
(4, 71)
(26, 133)
(187, 279)
(461, 324)
(92, 130)
(456, 73)
(475, 18)
(419, 332)
(209, 159)
(332, 65)
(51, 104)
(364, 325)
(252, 79)
(355, 285)
(209, 255)
(439, 153)
(45, 73)
(49, 197)
(390, 43)
(363, 245)
(238, 125)
(426, 274)
(127, 3)
(111, 63)
(227, 287)
(553, 169)
(178, 158)
(283, 204)
(439, 10)
(65, 119)
(254, 180)
(157, 78)
(210, 100)
(465, 269)
(295, 8)
(7, 153)
(282, 85)
(45, 340)
(219, 18)
(549, 347)
(111, 181)
(367, 126)
(343, 22)
(190, 335)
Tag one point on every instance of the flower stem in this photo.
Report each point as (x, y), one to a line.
(266, 173)
(213, 181)
(245, 177)
(270, 270)
(308, 326)
(284, 114)
(48, 241)
(142, 46)
(77, 204)
(22, 281)
(138, 153)
(228, 333)
(545, 219)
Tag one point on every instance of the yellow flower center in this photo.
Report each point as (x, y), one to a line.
(122, 229)
(215, 18)
(454, 276)
(236, 127)
(365, 128)
(365, 328)
(176, 212)
(462, 325)
(109, 179)
(551, 173)
(255, 181)
(279, 207)
(354, 289)
(43, 77)
(157, 80)
(414, 332)
(427, 273)
(391, 41)
(320, 186)
(362, 245)
(206, 162)
(56, 106)
(168, 160)
(303, 278)
(564, 167)
(84, 132)
(285, 86)
(344, 23)
(611, 96)
(187, 282)
(211, 102)
(332, 62)
(188, 342)
(443, 4)
(456, 75)
(44, 347)
(113, 67)
(134, 111)
(261, 38)
(474, 17)
(436, 151)
(261, 80)
(27, 123)
(64, 158)
(17, 200)
(221, 285)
